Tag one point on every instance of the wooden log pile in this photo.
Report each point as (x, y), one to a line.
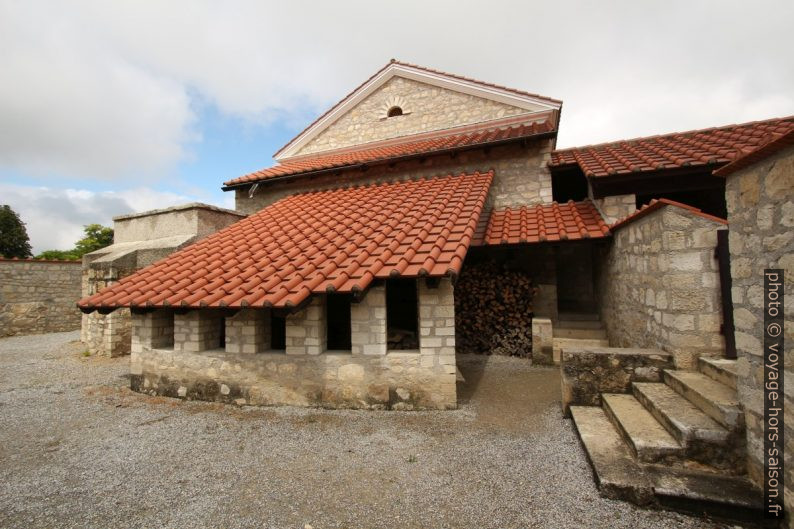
(493, 310)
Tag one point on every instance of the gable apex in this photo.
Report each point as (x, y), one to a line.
(464, 85)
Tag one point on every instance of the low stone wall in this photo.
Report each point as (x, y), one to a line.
(39, 296)
(180, 354)
(659, 285)
(588, 372)
(760, 202)
(400, 381)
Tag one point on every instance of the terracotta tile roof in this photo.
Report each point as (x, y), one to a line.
(714, 146)
(543, 223)
(337, 240)
(658, 204)
(461, 137)
(775, 145)
(430, 70)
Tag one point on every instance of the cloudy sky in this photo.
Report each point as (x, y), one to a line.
(113, 107)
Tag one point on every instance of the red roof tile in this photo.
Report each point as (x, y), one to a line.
(714, 146)
(658, 204)
(450, 139)
(775, 145)
(338, 240)
(543, 223)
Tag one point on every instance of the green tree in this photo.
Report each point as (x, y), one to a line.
(58, 255)
(96, 237)
(14, 240)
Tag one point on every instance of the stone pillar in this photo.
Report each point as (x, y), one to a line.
(368, 323)
(616, 207)
(305, 329)
(437, 326)
(248, 331)
(198, 330)
(542, 341)
(152, 330)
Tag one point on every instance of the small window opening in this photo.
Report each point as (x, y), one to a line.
(278, 332)
(338, 322)
(402, 314)
(222, 333)
(394, 111)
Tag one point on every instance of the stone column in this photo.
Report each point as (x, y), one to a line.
(368, 323)
(437, 323)
(542, 341)
(248, 331)
(152, 330)
(305, 329)
(197, 330)
(615, 208)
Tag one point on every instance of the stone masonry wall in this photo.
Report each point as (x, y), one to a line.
(425, 108)
(659, 286)
(760, 202)
(616, 207)
(521, 176)
(38, 296)
(368, 323)
(307, 375)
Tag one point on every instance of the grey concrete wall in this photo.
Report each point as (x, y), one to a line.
(187, 219)
(658, 284)
(760, 202)
(39, 296)
(521, 176)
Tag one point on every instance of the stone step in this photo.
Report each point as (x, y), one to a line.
(579, 324)
(720, 369)
(716, 400)
(720, 496)
(581, 334)
(685, 421)
(616, 472)
(578, 316)
(646, 437)
(558, 344)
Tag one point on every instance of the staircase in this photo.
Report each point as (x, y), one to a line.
(677, 444)
(577, 330)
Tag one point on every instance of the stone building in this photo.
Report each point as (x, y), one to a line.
(139, 240)
(760, 197)
(343, 284)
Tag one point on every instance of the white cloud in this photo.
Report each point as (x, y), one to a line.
(104, 90)
(55, 217)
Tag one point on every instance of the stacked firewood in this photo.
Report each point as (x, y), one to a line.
(401, 339)
(493, 310)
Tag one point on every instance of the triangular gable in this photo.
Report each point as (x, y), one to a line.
(529, 103)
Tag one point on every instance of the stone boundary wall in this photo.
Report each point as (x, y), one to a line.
(39, 296)
(659, 285)
(760, 201)
(521, 176)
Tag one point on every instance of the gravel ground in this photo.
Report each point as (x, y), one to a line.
(78, 449)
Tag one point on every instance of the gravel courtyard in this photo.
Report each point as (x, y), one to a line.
(78, 449)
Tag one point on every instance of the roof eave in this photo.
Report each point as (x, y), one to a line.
(393, 159)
